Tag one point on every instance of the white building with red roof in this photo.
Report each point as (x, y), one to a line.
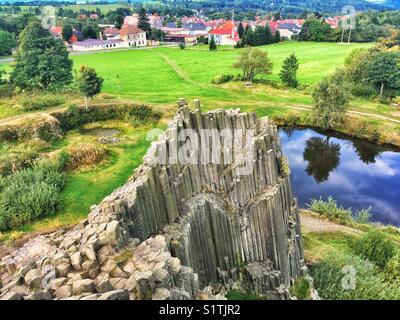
(225, 35)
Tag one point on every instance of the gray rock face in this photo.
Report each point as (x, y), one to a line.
(215, 227)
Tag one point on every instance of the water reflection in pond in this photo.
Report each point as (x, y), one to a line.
(356, 173)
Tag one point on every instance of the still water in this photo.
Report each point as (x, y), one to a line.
(356, 173)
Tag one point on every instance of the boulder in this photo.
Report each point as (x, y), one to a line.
(76, 261)
(63, 292)
(33, 278)
(115, 295)
(83, 286)
(11, 296)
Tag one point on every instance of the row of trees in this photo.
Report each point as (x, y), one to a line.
(259, 37)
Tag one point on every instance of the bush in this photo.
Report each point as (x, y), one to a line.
(143, 114)
(17, 159)
(392, 269)
(375, 247)
(362, 90)
(330, 279)
(222, 78)
(330, 209)
(284, 168)
(40, 103)
(363, 216)
(83, 154)
(30, 194)
(6, 90)
(301, 289)
(182, 45)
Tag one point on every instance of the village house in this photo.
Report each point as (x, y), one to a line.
(155, 20)
(134, 36)
(97, 44)
(225, 34)
(111, 33)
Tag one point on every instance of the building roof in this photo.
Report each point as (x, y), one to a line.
(227, 28)
(111, 31)
(129, 29)
(195, 26)
(94, 42)
(56, 30)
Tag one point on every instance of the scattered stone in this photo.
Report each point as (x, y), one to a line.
(33, 278)
(83, 286)
(115, 295)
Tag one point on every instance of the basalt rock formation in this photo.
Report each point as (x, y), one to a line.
(180, 230)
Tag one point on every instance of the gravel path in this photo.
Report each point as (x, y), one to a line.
(310, 224)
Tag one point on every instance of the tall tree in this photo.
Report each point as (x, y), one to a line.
(89, 32)
(118, 21)
(41, 61)
(240, 30)
(88, 82)
(268, 34)
(330, 103)
(288, 73)
(7, 43)
(277, 36)
(383, 70)
(144, 22)
(253, 61)
(67, 32)
(212, 46)
(259, 36)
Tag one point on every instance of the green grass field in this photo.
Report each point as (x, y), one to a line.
(165, 74)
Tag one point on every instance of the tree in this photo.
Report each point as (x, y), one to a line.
(331, 101)
(212, 45)
(144, 22)
(289, 71)
(89, 32)
(315, 30)
(88, 82)
(277, 16)
(7, 43)
(240, 30)
(67, 32)
(41, 61)
(118, 21)
(277, 36)
(383, 71)
(253, 61)
(259, 36)
(268, 35)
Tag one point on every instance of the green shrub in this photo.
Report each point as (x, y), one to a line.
(40, 103)
(6, 90)
(301, 289)
(30, 194)
(17, 159)
(222, 78)
(375, 247)
(330, 278)
(330, 209)
(362, 90)
(363, 216)
(392, 269)
(143, 113)
(85, 154)
(284, 168)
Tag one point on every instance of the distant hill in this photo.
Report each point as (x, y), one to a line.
(285, 6)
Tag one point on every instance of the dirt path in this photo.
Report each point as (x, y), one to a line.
(310, 224)
(372, 115)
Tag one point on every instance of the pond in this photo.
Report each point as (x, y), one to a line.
(356, 173)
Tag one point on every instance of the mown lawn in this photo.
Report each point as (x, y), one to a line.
(148, 76)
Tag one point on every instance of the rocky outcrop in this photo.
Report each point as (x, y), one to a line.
(187, 224)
